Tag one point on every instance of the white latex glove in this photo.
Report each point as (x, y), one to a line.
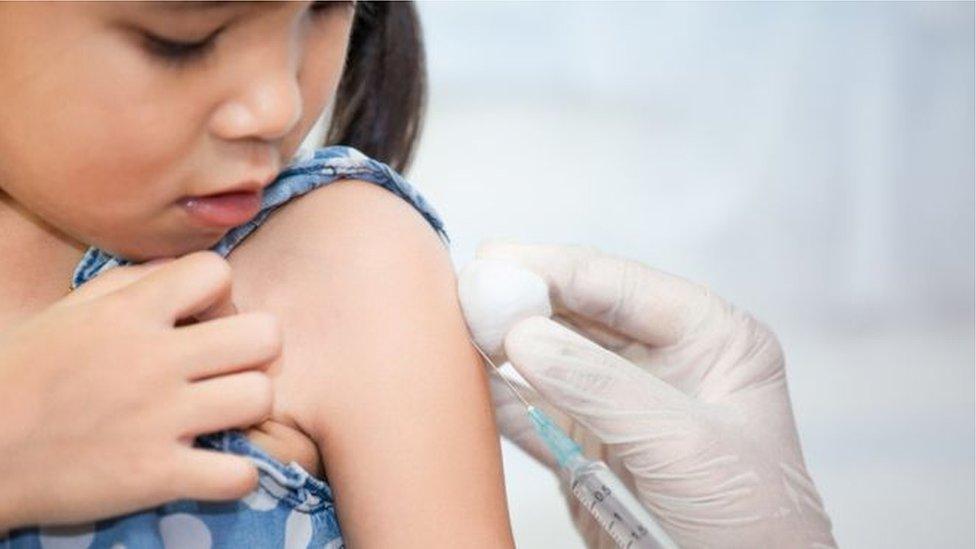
(681, 394)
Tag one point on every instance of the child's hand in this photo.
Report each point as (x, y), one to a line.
(102, 393)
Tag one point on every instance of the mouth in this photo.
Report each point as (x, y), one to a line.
(227, 209)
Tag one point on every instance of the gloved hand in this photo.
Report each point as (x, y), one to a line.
(683, 395)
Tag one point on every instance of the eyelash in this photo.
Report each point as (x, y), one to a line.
(179, 54)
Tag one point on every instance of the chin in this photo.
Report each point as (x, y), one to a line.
(163, 247)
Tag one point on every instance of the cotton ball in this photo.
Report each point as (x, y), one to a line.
(495, 294)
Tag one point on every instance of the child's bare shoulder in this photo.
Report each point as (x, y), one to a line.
(320, 263)
(347, 226)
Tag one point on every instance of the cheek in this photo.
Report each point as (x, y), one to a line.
(91, 131)
(90, 142)
(321, 73)
(125, 123)
(94, 123)
(324, 59)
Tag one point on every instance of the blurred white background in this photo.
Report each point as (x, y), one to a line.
(813, 163)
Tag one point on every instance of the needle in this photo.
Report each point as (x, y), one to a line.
(505, 379)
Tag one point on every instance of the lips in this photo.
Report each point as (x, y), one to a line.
(224, 209)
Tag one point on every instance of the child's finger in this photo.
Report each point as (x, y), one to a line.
(198, 283)
(224, 306)
(113, 279)
(225, 402)
(212, 476)
(246, 341)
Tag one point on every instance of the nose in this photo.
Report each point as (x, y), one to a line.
(268, 102)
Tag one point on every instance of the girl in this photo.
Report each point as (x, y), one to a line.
(121, 123)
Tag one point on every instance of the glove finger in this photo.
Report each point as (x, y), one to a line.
(516, 426)
(596, 332)
(514, 423)
(616, 400)
(503, 396)
(623, 295)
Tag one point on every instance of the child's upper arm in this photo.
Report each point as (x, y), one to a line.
(382, 372)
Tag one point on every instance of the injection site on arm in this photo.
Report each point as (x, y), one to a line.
(382, 371)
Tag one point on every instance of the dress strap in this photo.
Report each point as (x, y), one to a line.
(325, 165)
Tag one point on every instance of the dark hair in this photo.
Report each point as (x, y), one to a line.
(381, 99)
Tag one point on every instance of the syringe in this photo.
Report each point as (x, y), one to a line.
(595, 486)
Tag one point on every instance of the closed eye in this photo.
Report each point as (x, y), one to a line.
(177, 53)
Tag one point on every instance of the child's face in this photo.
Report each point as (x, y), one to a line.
(100, 137)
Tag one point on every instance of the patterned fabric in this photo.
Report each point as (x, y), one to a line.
(290, 508)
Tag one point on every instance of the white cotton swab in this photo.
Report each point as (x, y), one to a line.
(495, 294)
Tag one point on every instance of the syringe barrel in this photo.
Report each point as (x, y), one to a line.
(611, 503)
(600, 491)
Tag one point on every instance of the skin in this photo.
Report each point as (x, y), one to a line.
(133, 135)
(344, 267)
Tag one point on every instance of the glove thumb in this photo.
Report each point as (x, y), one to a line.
(614, 399)
(514, 422)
